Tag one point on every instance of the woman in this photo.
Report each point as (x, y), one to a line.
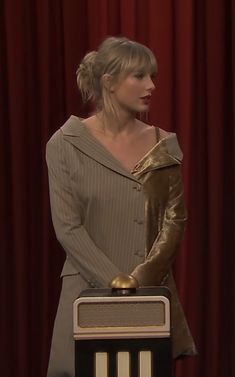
(116, 191)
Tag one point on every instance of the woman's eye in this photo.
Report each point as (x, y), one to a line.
(139, 75)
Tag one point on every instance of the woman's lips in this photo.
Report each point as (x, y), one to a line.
(146, 99)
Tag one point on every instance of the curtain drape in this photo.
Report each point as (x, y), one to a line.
(41, 43)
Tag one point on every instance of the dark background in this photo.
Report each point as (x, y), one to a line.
(41, 43)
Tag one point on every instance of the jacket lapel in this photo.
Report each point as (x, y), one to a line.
(165, 153)
(76, 133)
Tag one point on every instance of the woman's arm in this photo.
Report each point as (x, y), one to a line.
(84, 255)
(154, 270)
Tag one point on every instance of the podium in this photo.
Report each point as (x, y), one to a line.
(123, 333)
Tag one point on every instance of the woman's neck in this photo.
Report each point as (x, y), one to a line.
(113, 126)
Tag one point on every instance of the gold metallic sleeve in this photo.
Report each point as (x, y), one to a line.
(155, 268)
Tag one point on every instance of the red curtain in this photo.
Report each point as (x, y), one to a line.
(41, 43)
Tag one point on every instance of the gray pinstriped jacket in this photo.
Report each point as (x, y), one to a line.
(111, 221)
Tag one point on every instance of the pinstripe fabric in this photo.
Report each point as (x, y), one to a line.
(98, 212)
(91, 196)
(86, 189)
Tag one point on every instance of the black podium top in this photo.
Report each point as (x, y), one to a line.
(109, 292)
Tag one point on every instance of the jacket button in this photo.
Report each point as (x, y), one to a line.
(137, 187)
(92, 283)
(138, 253)
(139, 222)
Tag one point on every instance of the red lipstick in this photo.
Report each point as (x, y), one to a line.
(146, 99)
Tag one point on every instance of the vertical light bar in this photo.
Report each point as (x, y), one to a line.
(123, 364)
(145, 364)
(101, 364)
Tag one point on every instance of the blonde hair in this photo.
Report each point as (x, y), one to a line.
(117, 57)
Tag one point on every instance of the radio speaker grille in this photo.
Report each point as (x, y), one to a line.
(125, 314)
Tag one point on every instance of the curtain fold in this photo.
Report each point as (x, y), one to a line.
(41, 44)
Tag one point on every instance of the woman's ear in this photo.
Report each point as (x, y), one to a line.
(106, 80)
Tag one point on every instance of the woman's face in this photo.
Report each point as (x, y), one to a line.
(133, 93)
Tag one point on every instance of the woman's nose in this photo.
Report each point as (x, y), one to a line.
(150, 84)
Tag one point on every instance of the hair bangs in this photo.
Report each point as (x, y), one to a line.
(138, 58)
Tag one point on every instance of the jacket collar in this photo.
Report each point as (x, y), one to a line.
(165, 153)
(77, 134)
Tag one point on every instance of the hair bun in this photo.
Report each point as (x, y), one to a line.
(87, 62)
(85, 75)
